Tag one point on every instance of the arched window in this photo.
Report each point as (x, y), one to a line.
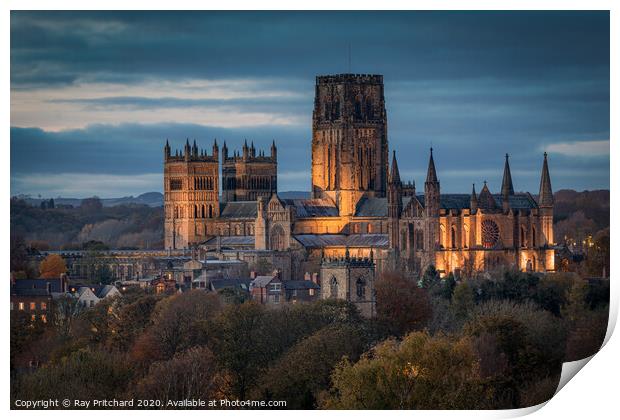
(522, 244)
(453, 237)
(210, 211)
(370, 113)
(403, 241)
(196, 211)
(333, 288)
(419, 239)
(465, 236)
(204, 211)
(358, 108)
(276, 239)
(534, 240)
(336, 113)
(360, 286)
(442, 236)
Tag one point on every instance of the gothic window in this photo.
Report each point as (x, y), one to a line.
(419, 239)
(358, 108)
(369, 109)
(403, 240)
(522, 237)
(361, 288)
(176, 184)
(442, 236)
(465, 236)
(533, 237)
(204, 211)
(333, 288)
(453, 237)
(196, 211)
(276, 239)
(336, 113)
(210, 211)
(490, 234)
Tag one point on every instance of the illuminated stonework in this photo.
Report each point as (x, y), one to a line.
(358, 206)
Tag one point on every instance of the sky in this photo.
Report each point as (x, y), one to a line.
(95, 95)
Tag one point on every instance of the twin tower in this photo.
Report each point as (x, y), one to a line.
(192, 192)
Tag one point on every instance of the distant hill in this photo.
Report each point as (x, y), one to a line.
(151, 199)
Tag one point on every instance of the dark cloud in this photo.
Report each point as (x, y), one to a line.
(475, 85)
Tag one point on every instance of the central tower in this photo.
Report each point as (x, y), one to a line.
(349, 139)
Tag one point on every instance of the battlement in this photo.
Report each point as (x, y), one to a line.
(350, 78)
(191, 153)
(249, 154)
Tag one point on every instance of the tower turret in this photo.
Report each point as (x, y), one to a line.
(431, 189)
(473, 201)
(545, 194)
(395, 203)
(215, 149)
(507, 189)
(274, 151)
(166, 150)
(246, 150)
(225, 150)
(187, 150)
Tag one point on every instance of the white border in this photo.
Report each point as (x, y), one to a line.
(593, 394)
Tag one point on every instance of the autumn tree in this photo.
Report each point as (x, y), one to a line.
(174, 323)
(52, 267)
(305, 369)
(402, 306)
(419, 372)
(191, 374)
(85, 375)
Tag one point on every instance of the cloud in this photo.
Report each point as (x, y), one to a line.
(581, 148)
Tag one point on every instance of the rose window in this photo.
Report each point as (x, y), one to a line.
(490, 234)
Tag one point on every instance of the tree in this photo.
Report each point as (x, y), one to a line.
(191, 374)
(463, 302)
(421, 372)
(402, 306)
(305, 369)
(91, 205)
(598, 256)
(84, 375)
(430, 278)
(52, 267)
(175, 320)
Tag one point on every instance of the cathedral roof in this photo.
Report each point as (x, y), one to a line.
(238, 210)
(313, 207)
(232, 241)
(364, 240)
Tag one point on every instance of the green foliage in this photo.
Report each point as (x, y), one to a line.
(430, 279)
(85, 374)
(190, 374)
(421, 372)
(304, 370)
(463, 301)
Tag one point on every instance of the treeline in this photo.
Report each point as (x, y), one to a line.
(494, 341)
(65, 227)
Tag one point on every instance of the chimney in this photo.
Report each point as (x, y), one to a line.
(307, 277)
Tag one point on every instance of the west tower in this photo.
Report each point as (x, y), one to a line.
(191, 202)
(349, 139)
(249, 174)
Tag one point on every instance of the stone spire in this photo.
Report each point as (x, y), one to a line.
(545, 194)
(507, 188)
(167, 150)
(431, 175)
(274, 150)
(394, 174)
(485, 199)
(473, 201)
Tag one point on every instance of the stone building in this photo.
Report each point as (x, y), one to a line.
(247, 176)
(359, 209)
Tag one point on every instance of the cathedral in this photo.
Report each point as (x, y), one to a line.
(360, 214)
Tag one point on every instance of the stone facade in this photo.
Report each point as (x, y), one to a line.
(359, 209)
(249, 175)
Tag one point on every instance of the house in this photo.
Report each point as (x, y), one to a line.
(267, 289)
(301, 291)
(86, 297)
(37, 302)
